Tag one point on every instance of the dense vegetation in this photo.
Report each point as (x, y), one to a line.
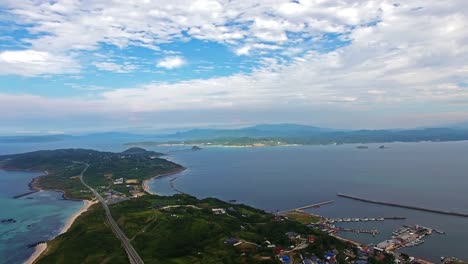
(104, 167)
(183, 229)
(89, 240)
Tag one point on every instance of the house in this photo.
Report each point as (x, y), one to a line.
(218, 211)
(311, 239)
(285, 259)
(119, 181)
(231, 241)
(293, 235)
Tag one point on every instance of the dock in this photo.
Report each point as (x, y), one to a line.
(430, 210)
(307, 207)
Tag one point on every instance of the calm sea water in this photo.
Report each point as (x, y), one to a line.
(431, 175)
(39, 216)
(276, 178)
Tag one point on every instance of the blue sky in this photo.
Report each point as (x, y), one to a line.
(77, 66)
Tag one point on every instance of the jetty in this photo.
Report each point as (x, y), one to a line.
(437, 211)
(307, 207)
(24, 194)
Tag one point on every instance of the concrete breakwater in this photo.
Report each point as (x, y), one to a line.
(437, 211)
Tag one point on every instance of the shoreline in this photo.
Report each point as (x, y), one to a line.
(35, 186)
(73, 217)
(145, 185)
(42, 247)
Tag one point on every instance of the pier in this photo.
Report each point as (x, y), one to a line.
(359, 231)
(307, 207)
(404, 206)
(366, 219)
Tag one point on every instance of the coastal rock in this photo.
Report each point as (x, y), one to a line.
(8, 221)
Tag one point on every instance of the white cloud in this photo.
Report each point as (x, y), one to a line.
(399, 59)
(114, 67)
(243, 50)
(33, 63)
(171, 62)
(77, 25)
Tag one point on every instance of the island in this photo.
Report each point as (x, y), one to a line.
(125, 224)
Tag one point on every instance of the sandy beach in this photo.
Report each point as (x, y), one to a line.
(40, 248)
(145, 185)
(37, 252)
(72, 218)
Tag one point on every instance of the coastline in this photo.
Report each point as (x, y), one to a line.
(42, 247)
(145, 185)
(73, 217)
(39, 249)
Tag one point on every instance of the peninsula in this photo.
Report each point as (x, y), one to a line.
(132, 226)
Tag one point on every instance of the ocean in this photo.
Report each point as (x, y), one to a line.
(39, 216)
(425, 174)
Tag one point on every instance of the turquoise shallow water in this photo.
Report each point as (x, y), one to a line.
(39, 217)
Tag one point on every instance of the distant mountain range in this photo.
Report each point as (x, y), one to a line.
(258, 131)
(286, 133)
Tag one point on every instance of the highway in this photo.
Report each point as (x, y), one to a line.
(131, 252)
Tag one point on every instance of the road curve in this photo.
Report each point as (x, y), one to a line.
(131, 252)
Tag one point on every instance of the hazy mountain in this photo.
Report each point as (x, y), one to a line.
(258, 131)
(33, 139)
(294, 133)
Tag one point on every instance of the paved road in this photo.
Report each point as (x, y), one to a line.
(131, 252)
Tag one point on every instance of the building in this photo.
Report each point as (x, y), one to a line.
(119, 181)
(218, 211)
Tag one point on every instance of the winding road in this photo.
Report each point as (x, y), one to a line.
(131, 252)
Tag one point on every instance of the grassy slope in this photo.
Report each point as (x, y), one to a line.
(188, 235)
(89, 240)
(179, 235)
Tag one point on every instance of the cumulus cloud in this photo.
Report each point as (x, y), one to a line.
(171, 62)
(33, 63)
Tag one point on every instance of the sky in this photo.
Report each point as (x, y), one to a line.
(139, 65)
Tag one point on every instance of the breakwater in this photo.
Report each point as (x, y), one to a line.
(437, 211)
(24, 194)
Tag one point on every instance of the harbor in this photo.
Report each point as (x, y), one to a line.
(406, 236)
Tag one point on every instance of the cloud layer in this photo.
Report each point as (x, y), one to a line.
(389, 64)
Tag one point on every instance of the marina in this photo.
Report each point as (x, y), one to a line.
(406, 236)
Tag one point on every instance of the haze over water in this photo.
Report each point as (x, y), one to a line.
(430, 175)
